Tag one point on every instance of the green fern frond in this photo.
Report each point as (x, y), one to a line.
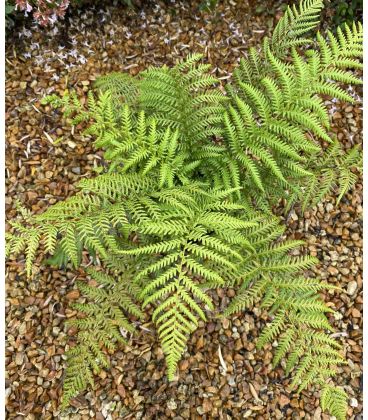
(294, 24)
(180, 97)
(347, 181)
(334, 400)
(104, 316)
(32, 246)
(122, 86)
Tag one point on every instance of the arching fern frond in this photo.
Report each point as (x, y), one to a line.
(187, 251)
(183, 98)
(102, 325)
(273, 130)
(333, 400)
(299, 322)
(123, 87)
(296, 22)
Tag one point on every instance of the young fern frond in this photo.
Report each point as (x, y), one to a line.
(123, 87)
(183, 98)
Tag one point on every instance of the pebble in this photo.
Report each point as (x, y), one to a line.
(353, 402)
(283, 400)
(71, 144)
(333, 270)
(317, 414)
(171, 404)
(73, 294)
(329, 207)
(207, 405)
(352, 287)
(76, 170)
(294, 402)
(19, 357)
(225, 391)
(356, 313)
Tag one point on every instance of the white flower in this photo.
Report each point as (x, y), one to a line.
(39, 59)
(53, 18)
(26, 33)
(73, 53)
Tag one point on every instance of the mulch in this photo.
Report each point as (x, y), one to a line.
(221, 376)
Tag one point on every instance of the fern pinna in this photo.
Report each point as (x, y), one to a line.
(184, 202)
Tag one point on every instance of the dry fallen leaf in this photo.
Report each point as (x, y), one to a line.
(254, 393)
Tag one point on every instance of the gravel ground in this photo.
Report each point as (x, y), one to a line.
(44, 160)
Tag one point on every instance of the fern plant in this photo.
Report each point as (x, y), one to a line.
(184, 203)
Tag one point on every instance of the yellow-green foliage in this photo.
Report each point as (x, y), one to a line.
(296, 22)
(277, 119)
(270, 276)
(334, 400)
(184, 201)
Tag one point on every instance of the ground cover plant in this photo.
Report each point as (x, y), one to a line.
(185, 202)
(346, 11)
(46, 12)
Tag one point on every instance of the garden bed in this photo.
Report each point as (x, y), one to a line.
(44, 160)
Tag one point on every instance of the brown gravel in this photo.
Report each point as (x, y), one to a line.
(221, 375)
